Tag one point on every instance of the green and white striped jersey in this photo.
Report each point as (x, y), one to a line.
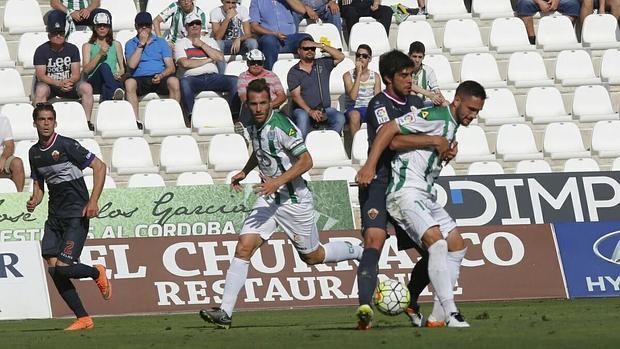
(278, 143)
(419, 168)
(75, 4)
(177, 26)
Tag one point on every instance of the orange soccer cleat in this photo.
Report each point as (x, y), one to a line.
(104, 284)
(82, 323)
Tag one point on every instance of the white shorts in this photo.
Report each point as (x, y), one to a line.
(297, 221)
(416, 212)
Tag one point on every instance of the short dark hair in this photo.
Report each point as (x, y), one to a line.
(417, 47)
(471, 88)
(39, 107)
(301, 42)
(258, 86)
(364, 47)
(392, 62)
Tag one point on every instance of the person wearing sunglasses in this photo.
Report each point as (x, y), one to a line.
(230, 24)
(178, 10)
(57, 71)
(360, 85)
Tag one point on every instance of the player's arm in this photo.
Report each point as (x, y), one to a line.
(99, 171)
(271, 185)
(419, 141)
(384, 137)
(37, 195)
(249, 166)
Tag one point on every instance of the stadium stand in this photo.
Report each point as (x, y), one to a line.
(605, 140)
(163, 117)
(132, 155)
(581, 165)
(544, 105)
(7, 186)
(556, 33)
(442, 10)
(509, 35)
(485, 168)
(527, 69)
(491, 9)
(463, 36)
(23, 16)
(533, 166)
(600, 31)
(473, 145)
(180, 154)
(524, 149)
(326, 149)
(500, 108)
(194, 178)
(410, 31)
(146, 180)
(563, 141)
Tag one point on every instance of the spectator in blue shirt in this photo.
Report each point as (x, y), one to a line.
(149, 59)
(275, 24)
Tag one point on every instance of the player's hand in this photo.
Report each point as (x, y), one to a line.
(32, 203)
(235, 181)
(91, 210)
(365, 175)
(451, 154)
(333, 7)
(442, 146)
(236, 46)
(269, 186)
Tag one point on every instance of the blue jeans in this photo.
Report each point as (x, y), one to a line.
(102, 80)
(566, 7)
(335, 120)
(325, 15)
(225, 45)
(192, 85)
(271, 46)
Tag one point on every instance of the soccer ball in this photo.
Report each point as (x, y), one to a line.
(391, 297)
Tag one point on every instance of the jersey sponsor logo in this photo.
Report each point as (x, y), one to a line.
(373, 213)
(382, 115)
(55, 155)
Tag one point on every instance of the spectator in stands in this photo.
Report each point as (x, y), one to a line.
(352, 10)
(196, 56)
(230, 24)
(10, 165)
(327, 11)
(57, 70)
(178, 11)
(151, 66)
(424, 80)
(360, 84)
(274, 23)
(527, 8)
(308, 81)
(103, 61)
(75, 12)
(256, 70)
(602, 6)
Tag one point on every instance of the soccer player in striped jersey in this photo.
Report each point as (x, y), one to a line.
(284, 199)
(412, 199)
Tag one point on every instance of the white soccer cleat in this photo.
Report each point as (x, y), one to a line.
(456, 320)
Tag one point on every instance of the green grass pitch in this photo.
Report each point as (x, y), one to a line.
(581, 323)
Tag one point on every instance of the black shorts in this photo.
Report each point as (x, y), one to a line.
(64, 238)
(146, 85)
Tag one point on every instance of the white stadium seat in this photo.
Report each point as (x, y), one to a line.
(516, 142)
(326, 149)
(12, 88)
(605, 139)
(533, 166)
(227, 152)
(447, 170)
(527, 69)
(28, 43)
(485, 168)
(154, 7)
(481, 67)
(544, 105)
(593, 103)
(71, 120)
(22, 16)
(7, 186)
(556, 33)
(443, 71)
(370, 33)
(109, 182)
(116, 119)
(600, 31)
(251, 178)
(164, 117)
(442, 10)
(21, 151)
(489, 9)
(574, 67)
(194, 178)
(615, 166)
(610, 67)
(132, 155)
(281, 68)
(563, 140)
(123, 13)
(326, 30)
(500, 108)
(122, 36)
(212, 116)
(235, 68)
(509, 35)
(344, 173)
(79, 38)
(473, 145)
(20, 117)
(336, 84)
(5, 57)
(180, 154)
(208, 5)
(359, 148)
(145, 180)
(410, 31)
(463, 36)
(581, 165)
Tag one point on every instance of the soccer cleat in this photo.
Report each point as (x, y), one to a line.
(83, 323)
(457, 320)
(104, 284)
(432, 322)
(417, 320)
(364, 317)
(216, 316)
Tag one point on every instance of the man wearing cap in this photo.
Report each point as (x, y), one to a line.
(196, 56)
(178, 10)
(230, 24)
(149, 59)
(57, 71)
(276, 25)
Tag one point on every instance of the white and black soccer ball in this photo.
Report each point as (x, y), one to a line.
(391, 297)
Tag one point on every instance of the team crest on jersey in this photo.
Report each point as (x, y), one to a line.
(292, 132)
(373, 213)
(55, 155)
(424, 114)
(382, 115)
(271, 135)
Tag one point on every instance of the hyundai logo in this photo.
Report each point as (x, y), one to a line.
(615, 256)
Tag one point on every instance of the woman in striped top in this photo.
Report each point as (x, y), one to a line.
(360, 84)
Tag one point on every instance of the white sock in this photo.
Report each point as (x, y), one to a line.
(438, 314)
(440, 276)
(337, 251)
(454, 264)
(235, 280)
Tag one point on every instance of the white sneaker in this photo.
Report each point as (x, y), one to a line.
(457, 320)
